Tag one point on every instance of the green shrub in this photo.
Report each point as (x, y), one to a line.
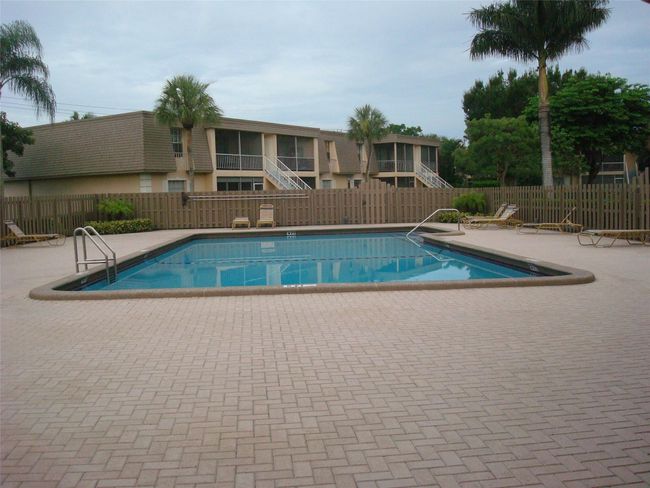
(121, 226)
(113, 209)
(484, 183)
(450, 217)
(470, 203)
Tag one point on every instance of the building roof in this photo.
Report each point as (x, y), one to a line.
(135, 143)
(346, 151)
(115, 144)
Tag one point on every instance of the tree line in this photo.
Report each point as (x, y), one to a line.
(592, 116)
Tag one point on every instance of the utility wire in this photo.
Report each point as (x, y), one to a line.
(83, 106)
(61, 111)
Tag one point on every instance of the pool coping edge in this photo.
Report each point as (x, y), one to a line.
(558, 274)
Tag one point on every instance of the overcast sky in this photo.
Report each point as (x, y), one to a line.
(303, 63)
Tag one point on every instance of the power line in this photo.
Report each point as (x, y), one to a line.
(62, 111)
(31, 107)
(85, 106)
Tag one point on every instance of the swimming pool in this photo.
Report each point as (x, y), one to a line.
(305, 260)
(266, 262)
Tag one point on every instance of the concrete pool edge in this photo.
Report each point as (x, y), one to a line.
(557, 274)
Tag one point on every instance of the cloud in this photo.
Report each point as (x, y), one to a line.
(305, 63)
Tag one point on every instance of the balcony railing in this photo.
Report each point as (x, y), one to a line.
(404, 166)
(386, 165)
(240, 162)
(297, 163)
(178, 154)
(392, 166)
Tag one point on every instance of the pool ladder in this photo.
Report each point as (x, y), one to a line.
(435, 212)
(408, 234)
(101, 245)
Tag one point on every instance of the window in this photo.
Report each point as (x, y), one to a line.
(239, 150)
(145, 183)
(404, 152)
(235, 183)
(429, 154)
(251, 143)
(227, 141)
(354, 183)
(405, 182)
(177, 142)
(328, 149)
(296, 152)
(384, 152)
(326, 184)
(175, 185)
(286, 146)
(310, 180)
(430, 157)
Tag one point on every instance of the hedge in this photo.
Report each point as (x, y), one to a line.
(121, 226)
(471, 203)
(450, 217)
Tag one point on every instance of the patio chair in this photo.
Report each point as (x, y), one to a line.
(565, 225)
(266, 215)
(632, 236)
(241, 222)
(503, 220)
(500, 210)
(19, 237)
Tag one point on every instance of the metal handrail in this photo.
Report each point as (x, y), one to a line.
(289, 180)
(435, 212)
(90, 232)
(432, 178)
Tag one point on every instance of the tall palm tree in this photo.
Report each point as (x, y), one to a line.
(366, 126)
(184, 101)
(22, 69)
(536, 30)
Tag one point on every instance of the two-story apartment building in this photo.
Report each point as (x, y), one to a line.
(129, 153)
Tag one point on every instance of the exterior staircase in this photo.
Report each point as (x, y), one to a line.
(281, 176)
(430, 178)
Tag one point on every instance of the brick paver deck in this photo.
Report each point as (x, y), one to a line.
(543, 386)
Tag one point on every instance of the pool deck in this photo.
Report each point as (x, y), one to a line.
(486, 387)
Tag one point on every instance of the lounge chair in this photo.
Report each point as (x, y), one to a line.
(241, 222)
(19, 237)
(503, 220)
(632, 236)
(266, 215)
(565, 225)
(500, 210)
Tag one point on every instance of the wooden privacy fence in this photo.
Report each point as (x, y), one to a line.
(597, 206)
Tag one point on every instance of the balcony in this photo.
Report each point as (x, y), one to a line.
(240, 162)
(392, 166)
(295, 163)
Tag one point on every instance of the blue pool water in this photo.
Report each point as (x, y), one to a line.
(304, 260)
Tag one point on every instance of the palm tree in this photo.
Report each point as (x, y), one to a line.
(22, 69)
(366, 126)
(536, 30)
(184, 101)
